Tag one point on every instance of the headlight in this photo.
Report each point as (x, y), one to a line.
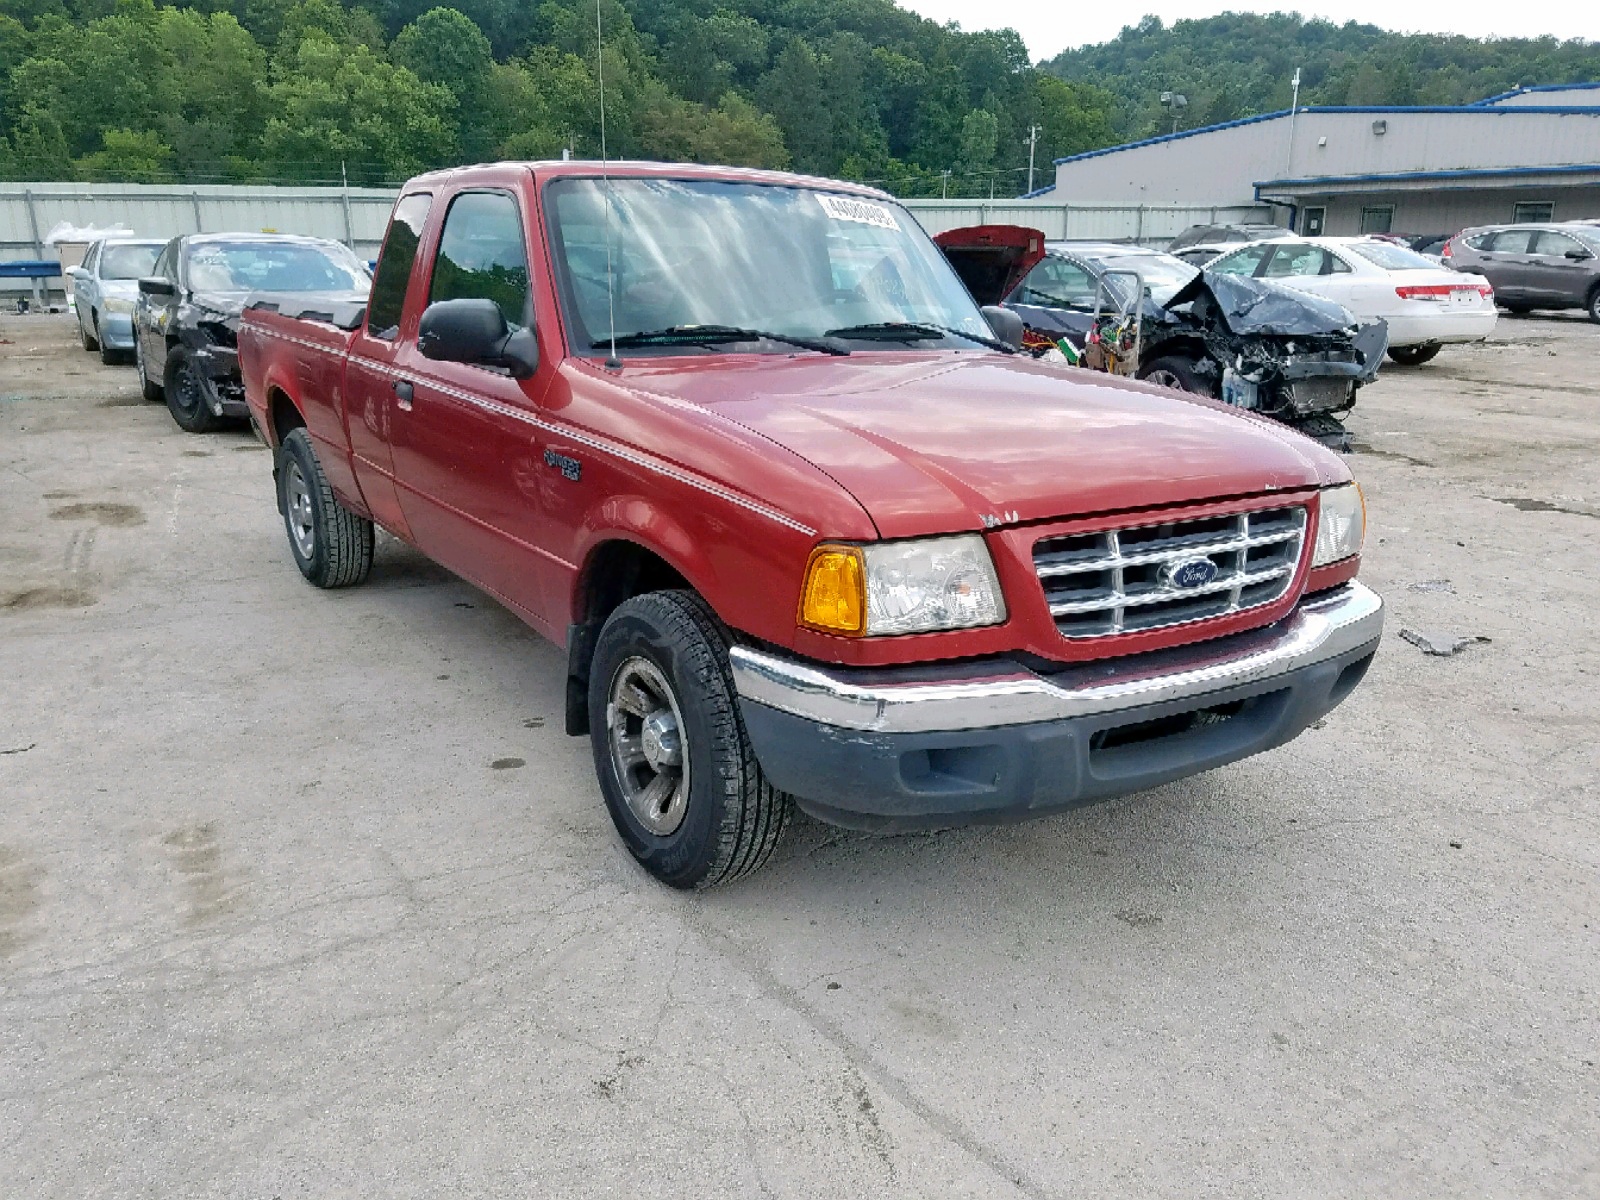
(920, 586)
(113, 305)
(1342, 525)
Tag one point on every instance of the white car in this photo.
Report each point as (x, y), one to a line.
(1426, 305)
(104, 289)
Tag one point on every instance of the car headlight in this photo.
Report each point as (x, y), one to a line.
(1341, 525)
(921, 586)
(114, 305)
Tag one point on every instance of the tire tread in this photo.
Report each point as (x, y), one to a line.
(346, 539)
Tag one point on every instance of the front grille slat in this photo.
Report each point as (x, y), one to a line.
(1121, 580)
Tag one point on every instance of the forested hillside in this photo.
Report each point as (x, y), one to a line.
(234, 90)
(317, 90)
(1239, 64)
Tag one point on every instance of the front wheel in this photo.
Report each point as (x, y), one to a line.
(186, 397)
(1176, 372)
(90, 341)
(108, 356)
(1593, 306)
(1415, 356)
(674, 761)
(331, 545)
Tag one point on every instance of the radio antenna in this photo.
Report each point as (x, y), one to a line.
(613, 363)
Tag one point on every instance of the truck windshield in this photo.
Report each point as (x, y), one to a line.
(275, 267)
(791, 261)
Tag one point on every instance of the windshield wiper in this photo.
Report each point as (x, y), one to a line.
(913, 331)
(710, 334)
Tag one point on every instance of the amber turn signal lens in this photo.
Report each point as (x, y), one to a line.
(833, 597)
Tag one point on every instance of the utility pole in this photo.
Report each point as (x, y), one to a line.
(1033, 143)
(1294, 111)
(944, 185)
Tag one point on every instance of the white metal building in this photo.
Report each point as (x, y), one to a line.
(1532, 154)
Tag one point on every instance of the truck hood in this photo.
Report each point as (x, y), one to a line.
(940, 442)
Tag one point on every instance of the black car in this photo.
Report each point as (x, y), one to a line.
(186, 320)
(1250, 342)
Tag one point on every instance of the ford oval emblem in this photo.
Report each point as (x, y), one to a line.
(1191, 573)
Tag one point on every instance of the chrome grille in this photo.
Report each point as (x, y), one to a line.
(1121, 580)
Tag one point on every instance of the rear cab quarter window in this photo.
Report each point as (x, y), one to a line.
(395, 263)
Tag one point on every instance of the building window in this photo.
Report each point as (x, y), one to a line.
(1533, 211)
(1377, 218)
(1312, 221)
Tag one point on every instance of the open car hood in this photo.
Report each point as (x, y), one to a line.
(992, 259)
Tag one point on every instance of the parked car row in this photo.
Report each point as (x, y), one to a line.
(173, 307)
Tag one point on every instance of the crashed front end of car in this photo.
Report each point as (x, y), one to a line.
(1280, 352)
(210, 331)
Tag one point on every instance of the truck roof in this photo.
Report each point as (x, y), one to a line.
(630, 169)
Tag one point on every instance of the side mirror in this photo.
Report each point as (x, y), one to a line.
(475, 331)
(74, 272)
(155, 285)
(1579, 255)
(1006, 324)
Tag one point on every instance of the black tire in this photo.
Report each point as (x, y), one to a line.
(1174, 371)
(90, 341)
(150, 391)
(1415, 356)
(731, 818)
(186, 398)
(108, 356)
(1592, 305)
(1516, 310)
(331, 545)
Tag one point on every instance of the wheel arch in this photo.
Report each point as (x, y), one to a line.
(616, 567)
(283, 414)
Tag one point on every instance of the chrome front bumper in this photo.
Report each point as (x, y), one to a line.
(924, 700)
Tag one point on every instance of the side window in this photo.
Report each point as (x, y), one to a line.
(1511, 241)
(167, 265)
(1556, 244)
(482, 255)
(1057, 283)
(1242, 262)
(92, 259)
(1297, 260)
(1335, 265)
(394, 265)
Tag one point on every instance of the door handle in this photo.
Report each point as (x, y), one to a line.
(404, 391)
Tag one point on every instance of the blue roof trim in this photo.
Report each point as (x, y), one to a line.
(1543, 87)
(1037, 192)
(1414, 176)
(1474, 109)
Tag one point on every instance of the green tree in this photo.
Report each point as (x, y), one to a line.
(444, 47)
(792, 92)
(347, 107)
(136, 156)
(735, 132)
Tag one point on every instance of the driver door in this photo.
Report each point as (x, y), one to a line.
(467, 441)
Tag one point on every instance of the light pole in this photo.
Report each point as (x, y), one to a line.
(944, 185)
(1033, 143)
(1177, 102)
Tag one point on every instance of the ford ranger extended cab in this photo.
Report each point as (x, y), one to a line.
(808, 529)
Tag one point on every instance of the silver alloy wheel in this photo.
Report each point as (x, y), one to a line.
(297, 512)
(1165, 378)
(644, 728)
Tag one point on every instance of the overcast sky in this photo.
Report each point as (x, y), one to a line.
(1050, 26)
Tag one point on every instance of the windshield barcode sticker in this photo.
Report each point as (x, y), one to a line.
(864, 212)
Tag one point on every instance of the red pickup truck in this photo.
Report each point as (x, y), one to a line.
(809, 530)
